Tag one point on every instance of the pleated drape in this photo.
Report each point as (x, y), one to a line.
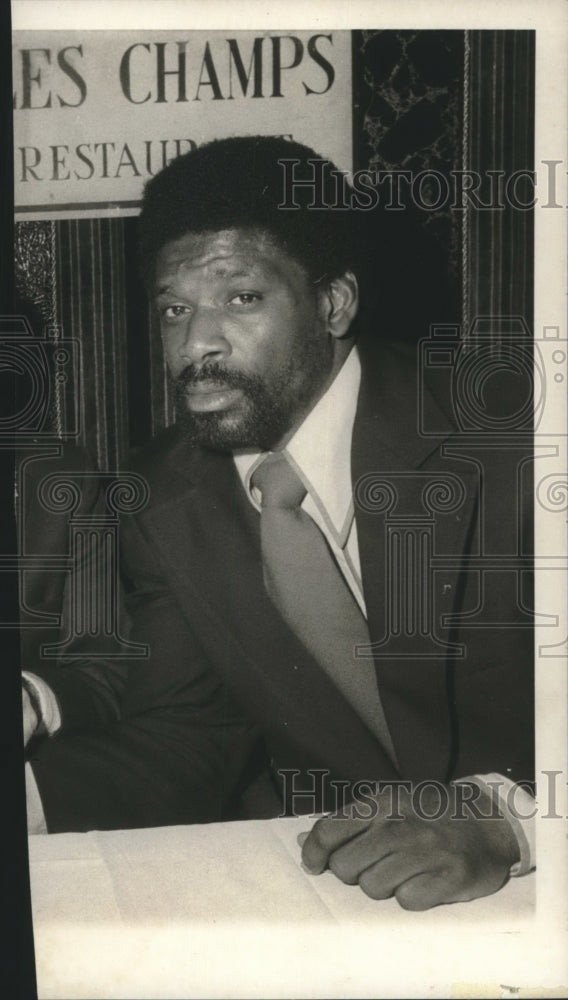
(498, 144)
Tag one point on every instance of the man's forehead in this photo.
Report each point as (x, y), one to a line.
(248, 248)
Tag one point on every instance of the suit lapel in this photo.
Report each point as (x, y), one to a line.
(398, 536)
(209, 537)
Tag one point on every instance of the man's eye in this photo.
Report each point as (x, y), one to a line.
(174, 312)
(245, 299)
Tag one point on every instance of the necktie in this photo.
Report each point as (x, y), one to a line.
(305, 584)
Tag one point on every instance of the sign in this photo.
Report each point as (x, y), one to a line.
(96, 114)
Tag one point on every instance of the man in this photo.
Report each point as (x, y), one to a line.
(263, 574)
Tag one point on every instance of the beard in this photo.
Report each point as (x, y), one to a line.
(264, 413)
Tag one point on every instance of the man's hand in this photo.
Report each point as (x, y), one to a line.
(463, 853)
(31, 720)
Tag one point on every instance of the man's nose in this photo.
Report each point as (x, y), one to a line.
(203, 339)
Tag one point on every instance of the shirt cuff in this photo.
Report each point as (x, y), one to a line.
(49, 706)
(34, 808)
(518, 807)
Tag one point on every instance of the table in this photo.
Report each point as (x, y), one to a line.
(226, 909)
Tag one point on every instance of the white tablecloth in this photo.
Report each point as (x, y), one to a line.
(226, 910)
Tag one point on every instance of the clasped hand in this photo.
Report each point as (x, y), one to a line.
(31, 720)
(390, 846)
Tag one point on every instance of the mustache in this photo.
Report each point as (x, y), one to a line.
(213, 372)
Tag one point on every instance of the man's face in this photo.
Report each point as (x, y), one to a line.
(245, 337)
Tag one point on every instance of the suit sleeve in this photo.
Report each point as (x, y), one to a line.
(159, 742)
(93, 696)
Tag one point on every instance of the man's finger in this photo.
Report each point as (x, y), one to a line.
(325, 837)
(369, 848)
(31, 720)
(425, 891)
(386, 877)
(413, 888)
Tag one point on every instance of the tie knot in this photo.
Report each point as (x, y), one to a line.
(278, 482)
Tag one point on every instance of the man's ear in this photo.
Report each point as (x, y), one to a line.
(340, 302)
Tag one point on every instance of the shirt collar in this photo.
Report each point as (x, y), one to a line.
(321, 448)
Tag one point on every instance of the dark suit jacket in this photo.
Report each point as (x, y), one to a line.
(229, 689)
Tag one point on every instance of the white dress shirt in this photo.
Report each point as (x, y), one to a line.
(320, 452)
